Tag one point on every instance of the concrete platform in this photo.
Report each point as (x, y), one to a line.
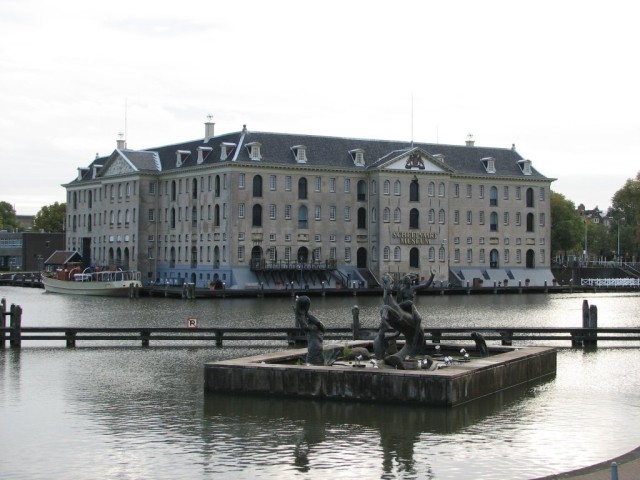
(282, 374)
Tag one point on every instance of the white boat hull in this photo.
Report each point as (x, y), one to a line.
(117, 288)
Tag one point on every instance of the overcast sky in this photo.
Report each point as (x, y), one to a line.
(558, 79)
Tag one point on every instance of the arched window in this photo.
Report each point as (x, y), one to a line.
(441, 189)
(414, 218)
(173, 190)
(386, 187)
(172, 258)
(414, 191)
(397, 254)
(493, 197)
(127, 217)
(431, 216)
(441, 216)
(431, 189)
(194, 188)
(494, 259)
(414, 258)
(374, 215)
(397, 215)
(385, 254)
(374, 187)
(396, 188)
(302, 189)
(386, 214)
(441, 253)
(530, 197)
(257, 216)
(432, 254)
(216, 186)
(493, 221)
(303, 219)
(530, 222)
(362, 218)
(173, 218)
(362, 191)
(257, 186)
(216, 215)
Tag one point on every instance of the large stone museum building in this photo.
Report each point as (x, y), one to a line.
(247, 208)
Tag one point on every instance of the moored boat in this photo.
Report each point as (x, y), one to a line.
(101, 283)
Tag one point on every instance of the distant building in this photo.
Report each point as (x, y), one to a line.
(27, 251)
(26, 221)
(247, 208)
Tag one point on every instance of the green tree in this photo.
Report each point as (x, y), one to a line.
(8, 220)
(50, 218)
(626, 210)
(567, 227)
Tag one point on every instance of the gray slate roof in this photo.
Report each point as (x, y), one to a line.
(324, 151)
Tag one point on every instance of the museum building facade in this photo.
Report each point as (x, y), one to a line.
(245, 209)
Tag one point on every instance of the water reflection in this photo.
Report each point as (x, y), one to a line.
(315, 429)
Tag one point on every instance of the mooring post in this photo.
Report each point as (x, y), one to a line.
(166, 290)
(70, 337)
(614, 471)
(219, 334)
(145, 335)
(131, 290)
(3, 321)
(355, 312)
(593, 324)
(15, 338)
(507, 337)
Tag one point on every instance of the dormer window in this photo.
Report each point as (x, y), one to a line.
(96, 170)
(254, 151)
(489, 164)
(226, 149)
(358, 157)
(300, 152)
(525, 166)
(181, 156)
(203, 153)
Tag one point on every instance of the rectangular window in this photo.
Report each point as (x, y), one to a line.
(318, 237)
(318, 183)
(542, 194)
(506, 255)
(456, 217)
(241, 253)
(481, 193)
(469, 191)
(481, 217)
(152, 217)
(518, 218)
(152, 188)
(469, 255)
(272, 212)
(469, 217)
(542, 219)
(347, 254)
(332, 185)
(347, 214)
(518, 255)
(241, 180)
(332, 237)
(506, 192)
(272, 237)
(287, 237)
(272, 182)
(318, 214)
(456, 255)
(332, 253)
(518, 193)
(456, 190)
(287, 183)
(332, 213)
(287, 212)
(469, 240)
(347, 185)
(287, 254)
(241, 210)
(506, 218)
(150, 253)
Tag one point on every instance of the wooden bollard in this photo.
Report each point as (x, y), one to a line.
(590, 320)
(3, 321)
(355, 312)
(70, 337)
(145, 335)
(15, 337)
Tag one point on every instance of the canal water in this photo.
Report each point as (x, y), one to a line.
(123, 412)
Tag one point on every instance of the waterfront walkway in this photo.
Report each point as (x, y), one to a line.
(628, 469)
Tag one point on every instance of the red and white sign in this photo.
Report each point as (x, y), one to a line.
(192, 322)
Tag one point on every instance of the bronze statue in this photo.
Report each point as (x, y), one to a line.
(401, 315)
(313, 328)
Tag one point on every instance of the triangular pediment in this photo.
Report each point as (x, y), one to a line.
(117, 164)
(417, 160)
